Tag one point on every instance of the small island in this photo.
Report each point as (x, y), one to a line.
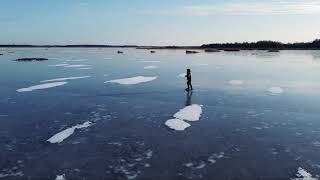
(191, 52)
(31, 59)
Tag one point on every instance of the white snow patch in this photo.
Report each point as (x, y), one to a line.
(58, 65)
(83, 68)
(151, 61)
(61, 136)
(61, 177)
(77, 66)
(177, 124)
(77, 60)
(182, 75)
(189, 113)
(214, 157)
(67, 78)
(303, 175)
(275, 90)
(42, 86)
(235, 82)
(132, 80)
(150, 67)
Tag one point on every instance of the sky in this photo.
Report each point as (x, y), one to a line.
(157, 22)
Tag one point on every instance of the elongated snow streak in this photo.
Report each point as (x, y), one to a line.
(83, 68)
(61, 136)
(132, 80)
(77, 66)
(182, 75)
(150, 67)
(67, 78)
(42, 86)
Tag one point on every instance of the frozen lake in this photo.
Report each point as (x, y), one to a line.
(95, 114)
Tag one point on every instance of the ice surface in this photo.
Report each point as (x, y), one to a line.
(61, 136)
(132, 80)
(42, 86)
(303, 175)
(189, 113)
(83, 68)
(235, 82)
(182, 75)
(77, 66)
(275, 90)
(67, 78)
(58, 65)
(60, 177)
(150, 67)
(177, 124)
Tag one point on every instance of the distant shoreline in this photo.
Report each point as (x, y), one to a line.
(260, 45)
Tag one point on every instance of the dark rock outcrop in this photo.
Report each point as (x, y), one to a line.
(119, 52)
(191, 52)
(152, 52)
(31, 59)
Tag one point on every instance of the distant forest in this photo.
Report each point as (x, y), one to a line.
(314, 45)
(260, 45)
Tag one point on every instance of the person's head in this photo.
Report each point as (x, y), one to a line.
(188, 71)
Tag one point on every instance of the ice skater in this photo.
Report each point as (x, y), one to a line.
(188, 76)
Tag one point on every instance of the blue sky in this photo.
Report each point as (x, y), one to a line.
(157, 22)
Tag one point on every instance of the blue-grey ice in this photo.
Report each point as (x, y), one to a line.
(133, 80)
(61, 136)
(42, 86)
(66, 78)
(58, 65)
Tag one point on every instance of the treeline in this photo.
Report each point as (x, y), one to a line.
(314, 45)
(66, 46)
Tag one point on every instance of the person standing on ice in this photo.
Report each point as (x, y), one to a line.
(188, 76)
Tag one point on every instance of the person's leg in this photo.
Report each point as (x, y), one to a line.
(191, 85)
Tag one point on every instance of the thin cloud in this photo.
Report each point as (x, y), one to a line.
(253, 8)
